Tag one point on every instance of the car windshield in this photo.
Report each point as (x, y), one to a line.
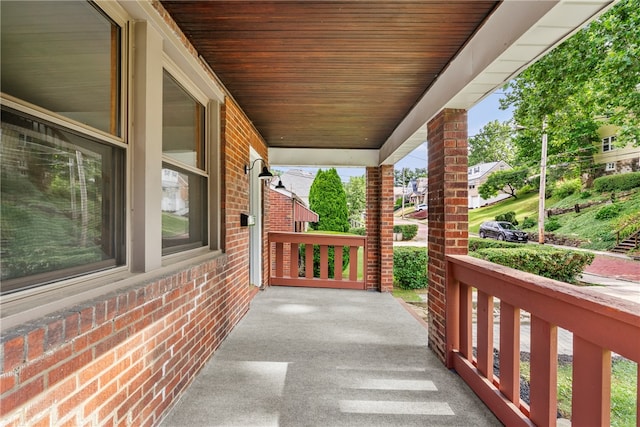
(506, 225)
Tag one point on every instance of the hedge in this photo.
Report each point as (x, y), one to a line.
(619, 182)
(409, 267)
(408, 231)
(559, 264)
(476, 243)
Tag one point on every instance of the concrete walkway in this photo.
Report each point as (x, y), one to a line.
(322, 357)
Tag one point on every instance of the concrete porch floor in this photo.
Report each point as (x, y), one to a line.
(321, 357)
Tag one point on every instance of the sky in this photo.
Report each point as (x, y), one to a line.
(477, 117)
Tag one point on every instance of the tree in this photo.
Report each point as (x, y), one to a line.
(593, 75)
(402, 177)
(355, 191)
(507, 181)
(328, 199)
(492, 144)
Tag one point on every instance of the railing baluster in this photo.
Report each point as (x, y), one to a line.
(337, 262)
(544, 372)
(510, 352)
(353, 263)
(466, 321)
(324, 261)
(294, 260)
(279, 259)
(308, 261)
(591, 399)
(484, 313)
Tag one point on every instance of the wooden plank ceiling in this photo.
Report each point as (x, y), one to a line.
(328, 74)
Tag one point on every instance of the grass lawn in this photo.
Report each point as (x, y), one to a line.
(523, 206)
(409, 295)
(623, 390)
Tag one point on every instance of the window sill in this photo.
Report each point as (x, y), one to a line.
(28, 305)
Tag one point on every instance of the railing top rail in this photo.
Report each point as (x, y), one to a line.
(316, 238)
(577, 309)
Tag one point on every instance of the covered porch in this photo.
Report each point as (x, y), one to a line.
(351, 84)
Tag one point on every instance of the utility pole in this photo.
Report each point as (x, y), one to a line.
(543, 182)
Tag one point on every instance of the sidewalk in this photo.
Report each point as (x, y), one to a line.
(325, 357)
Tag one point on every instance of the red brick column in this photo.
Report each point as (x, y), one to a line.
(448, 221)
(379, 262)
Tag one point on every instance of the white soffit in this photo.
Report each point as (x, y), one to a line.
(322, 157)
(515, 35)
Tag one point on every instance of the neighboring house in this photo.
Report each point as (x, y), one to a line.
(477, 175)
(614, 158)
(288, 211)
(298, 182)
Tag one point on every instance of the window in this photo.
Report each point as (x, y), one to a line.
(61, 201)
(184, 175)
(64, 57)
(608, 144)
(62, 197)
(610, 167)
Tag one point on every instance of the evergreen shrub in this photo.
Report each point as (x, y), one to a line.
(410, 267)
(619, 182)
(558, 264)
(408, 231)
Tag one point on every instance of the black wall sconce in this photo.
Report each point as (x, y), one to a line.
(280, 185)
(265, 174)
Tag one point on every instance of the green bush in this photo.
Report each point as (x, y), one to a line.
(526, 189)
(508, 216)
(619, 182)
(476, 243)
(408, 231)
(552, 224)
(557, 264)
(567, 188)
(609, 211)
(585, 194)
(360, 231)
(528, 223)
(409, 267)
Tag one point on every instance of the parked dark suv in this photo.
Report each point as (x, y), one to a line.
(502, 230)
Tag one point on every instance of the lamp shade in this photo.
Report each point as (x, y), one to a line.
(265, 174)
(280, 185)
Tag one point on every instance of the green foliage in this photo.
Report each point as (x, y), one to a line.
(355, 191)
(506, 181)
(328, 199)
(592, 74)
(405, 175)
(360, 231)
(619, 182)
(566, 188)
(409, 267)
(408, 231)
(585, 194)
(529, 222)
(552, 224)
(492, 144)
(526, 189)
(609, 211)
(508, 216)
(559, 264)
(476, 244)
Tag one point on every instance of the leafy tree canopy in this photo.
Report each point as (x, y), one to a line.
(355, 191)
(507, 181)
(402, 177)
(594, 75)
(328, 199)
(492, 144)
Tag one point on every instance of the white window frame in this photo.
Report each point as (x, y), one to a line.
(608, 143)
(610, 166)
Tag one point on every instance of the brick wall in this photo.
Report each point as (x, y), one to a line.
(379, 267)
(448, 213)
(124, 358)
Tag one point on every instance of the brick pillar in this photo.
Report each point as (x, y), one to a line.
(448, 221)
(379, 262)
